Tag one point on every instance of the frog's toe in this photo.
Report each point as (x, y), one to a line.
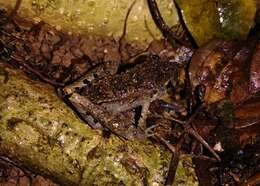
(149, 132)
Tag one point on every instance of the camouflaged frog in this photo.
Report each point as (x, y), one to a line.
(111, 100)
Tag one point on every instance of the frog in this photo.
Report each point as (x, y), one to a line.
(110, 100)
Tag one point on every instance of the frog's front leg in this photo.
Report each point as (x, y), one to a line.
(117, 123)
(145, 109)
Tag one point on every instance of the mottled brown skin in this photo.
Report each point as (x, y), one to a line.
(109, 98)
(138, 84)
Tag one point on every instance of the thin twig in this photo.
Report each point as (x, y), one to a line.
(125, 26)
(202, 141)
(248, 124)
(172, 169)
(12, 163)
(203, 157)
(148, 29)
(174, 164)
(11, 35)
(37, 73)
(169, 118)
(16, 8)
(170, 146)
(160, 23)
(188, 128)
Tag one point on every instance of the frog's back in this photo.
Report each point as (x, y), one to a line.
(142, 80)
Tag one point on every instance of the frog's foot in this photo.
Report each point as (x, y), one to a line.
(143, 115)
(145, 105)
(149, 131)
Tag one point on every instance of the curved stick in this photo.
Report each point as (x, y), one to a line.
(160, 23)
(16, 8)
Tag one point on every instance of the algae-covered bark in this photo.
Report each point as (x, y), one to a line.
(40, 132)
(102, 17)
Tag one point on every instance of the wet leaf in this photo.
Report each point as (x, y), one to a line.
(247, 120)
(209, 66)
(249, 109)
(230, 19)
(98, 17)
(222, 67)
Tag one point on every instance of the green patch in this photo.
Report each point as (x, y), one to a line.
(229, 19)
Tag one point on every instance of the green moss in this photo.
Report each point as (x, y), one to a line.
(185, 175)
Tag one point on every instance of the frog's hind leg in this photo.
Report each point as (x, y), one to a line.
(92, 122)
(145, 109)
(116, 123)
(143, 116)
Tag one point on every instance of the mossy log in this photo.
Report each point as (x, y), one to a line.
(40, 132)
